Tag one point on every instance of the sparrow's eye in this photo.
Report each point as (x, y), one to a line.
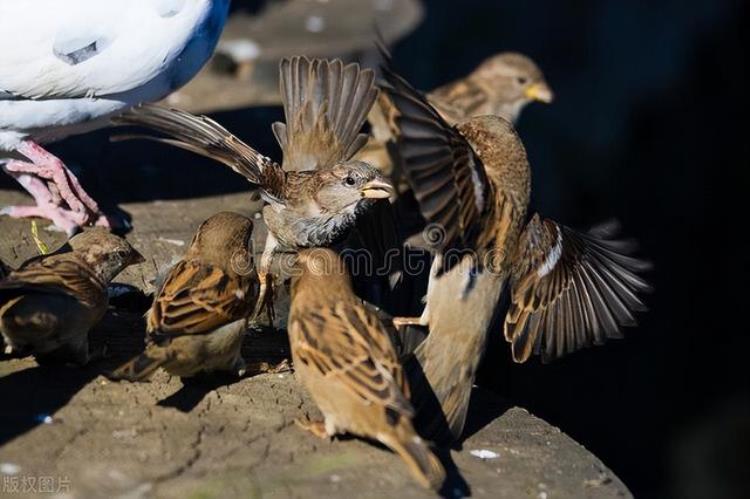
(522, 80)
(350, 180)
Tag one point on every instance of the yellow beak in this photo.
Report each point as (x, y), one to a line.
(377, 189)
(539, 92)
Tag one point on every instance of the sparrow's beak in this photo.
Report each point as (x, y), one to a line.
(136, 258)
(539, 92)
(377, 189)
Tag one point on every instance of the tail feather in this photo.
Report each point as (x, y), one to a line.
(423, 464)
(141, 367)
(440, 396)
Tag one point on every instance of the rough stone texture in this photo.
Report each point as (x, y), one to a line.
(287, 28)
(223, 437)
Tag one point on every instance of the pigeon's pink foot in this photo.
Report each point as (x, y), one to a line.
(64, 220)
(56, 190)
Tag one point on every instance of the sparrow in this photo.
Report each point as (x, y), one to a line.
(502, 85)
(343, 356)
(316, 195)
(66, 67)
(49, 305)
(199, 315)
(568, 289)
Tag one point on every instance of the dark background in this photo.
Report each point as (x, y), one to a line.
(648, 127)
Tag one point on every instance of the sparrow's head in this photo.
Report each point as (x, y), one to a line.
(225, 240)
(106, 253)
(515, 79)
(320, 270)
(351, 186)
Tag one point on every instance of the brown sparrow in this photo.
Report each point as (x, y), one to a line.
(198, 318)
(502, 85)
(315, 196)
(343, 355)
(49, 305)
(568, 289)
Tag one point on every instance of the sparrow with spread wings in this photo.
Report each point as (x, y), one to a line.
(199, 315)
(315, 196)
(568, 289)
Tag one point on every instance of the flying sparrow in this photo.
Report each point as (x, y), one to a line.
(49, 305)
(315, 196)
(568, 290)
(199, 315)
(502, 85)
(344, 357)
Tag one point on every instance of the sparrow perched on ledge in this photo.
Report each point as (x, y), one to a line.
(501, 85)
(344, 357)
(568, 289)
(315, 196)
(48, 306)
(199, 315)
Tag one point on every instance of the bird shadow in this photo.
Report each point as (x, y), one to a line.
(484, 408)
(194, 390)
(31, 395)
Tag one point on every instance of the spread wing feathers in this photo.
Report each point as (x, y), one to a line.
(448, 178)
(56, 274)
(570, 290)
(325, 106)
(204, 136)
(348, 344)
(198, 298)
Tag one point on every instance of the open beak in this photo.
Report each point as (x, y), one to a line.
(377, 189)
(539, 92)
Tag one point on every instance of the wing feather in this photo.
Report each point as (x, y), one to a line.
(570, 290)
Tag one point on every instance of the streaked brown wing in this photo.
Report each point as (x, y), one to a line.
(448, 178)
(459, 100)
(204, 136)
(198, 298)
(570, 290)
(325, 105)
(348, 344)
(57, 274)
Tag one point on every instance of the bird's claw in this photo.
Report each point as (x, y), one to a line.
(317, 428)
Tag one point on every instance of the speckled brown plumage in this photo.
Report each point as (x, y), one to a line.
(568, 290)
(198, 317)
(317, 194)
(344, 357)
(49, 305)
(502, 85)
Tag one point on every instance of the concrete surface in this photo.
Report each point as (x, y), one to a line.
(224, 437)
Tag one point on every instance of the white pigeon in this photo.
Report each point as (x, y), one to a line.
(67, 66)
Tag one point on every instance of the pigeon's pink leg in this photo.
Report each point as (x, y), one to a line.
(47, 205)
(62, 185)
